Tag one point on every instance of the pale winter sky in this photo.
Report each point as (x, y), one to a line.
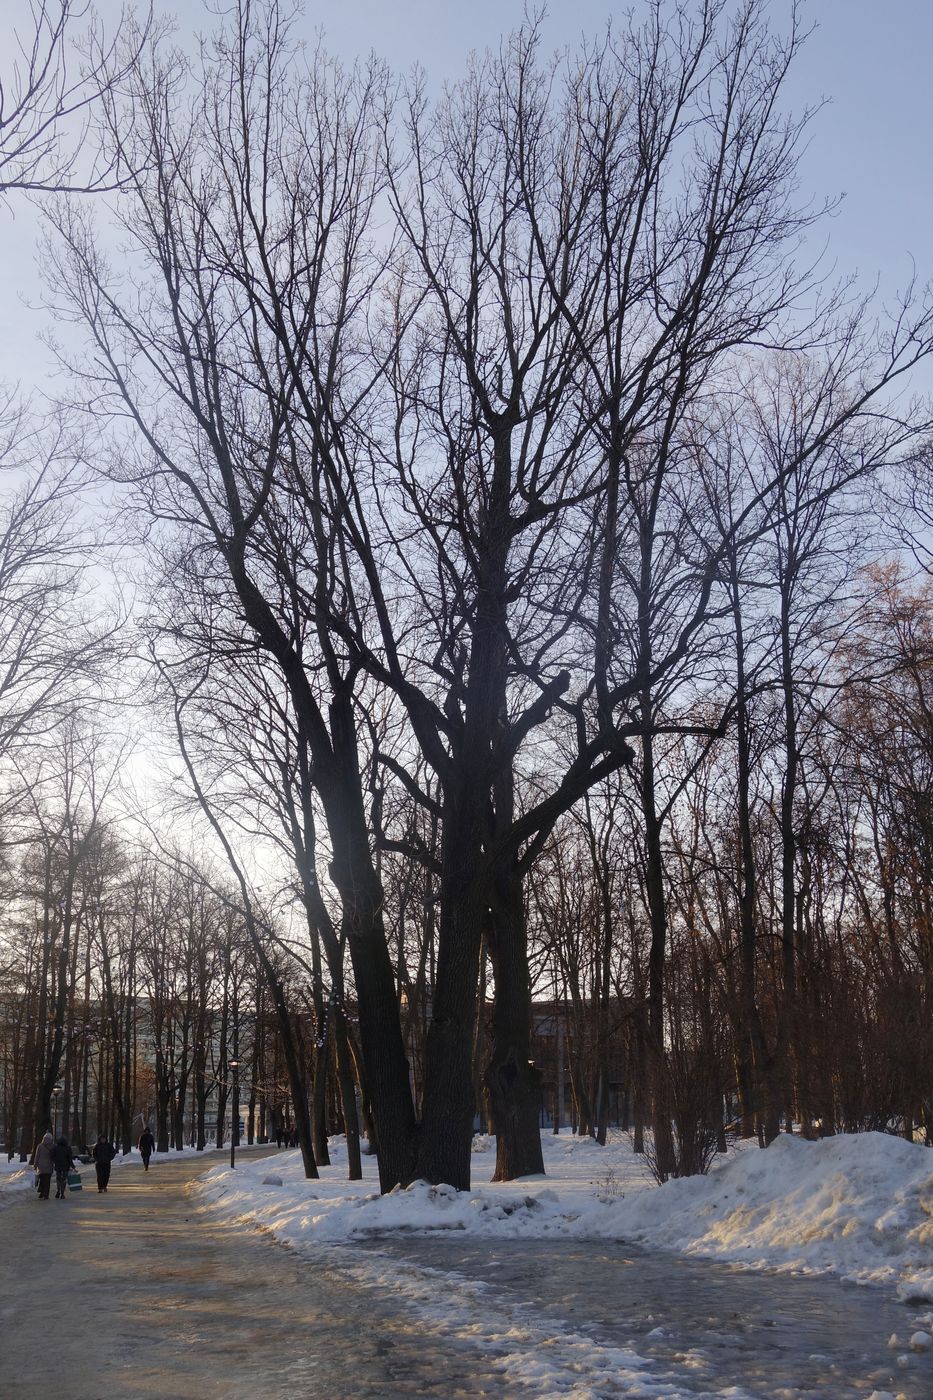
(871, 143)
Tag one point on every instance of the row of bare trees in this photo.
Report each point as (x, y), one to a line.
(834, 1037)
(127, 982)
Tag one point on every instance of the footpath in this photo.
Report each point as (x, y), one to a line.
(138, 1295)
(148, 1293)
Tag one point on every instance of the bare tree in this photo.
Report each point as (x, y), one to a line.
(256, 769)
(53, 646)
(454, 461)
(52, 85)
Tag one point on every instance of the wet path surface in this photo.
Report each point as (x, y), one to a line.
(706, 1325)
(136, 1294)
(145, 1293)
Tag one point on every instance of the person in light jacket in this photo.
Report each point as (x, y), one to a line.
(63, 1161)
(44, 1163)
(103, 1154)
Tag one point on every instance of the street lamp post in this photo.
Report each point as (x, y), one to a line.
(235, 1118)
(55, 1093)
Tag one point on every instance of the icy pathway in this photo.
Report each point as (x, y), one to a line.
(138, 1295)
(572, 1312)
(146, 1292)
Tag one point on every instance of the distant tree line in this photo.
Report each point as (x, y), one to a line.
(128, 988)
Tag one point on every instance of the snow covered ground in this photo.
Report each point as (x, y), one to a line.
(856, 1207)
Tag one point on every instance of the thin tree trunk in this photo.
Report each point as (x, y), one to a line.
(348, 1097)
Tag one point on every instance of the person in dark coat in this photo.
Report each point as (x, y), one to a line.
(103, 1154)
(44, 1164)
(63, 1161)
(146, 1146)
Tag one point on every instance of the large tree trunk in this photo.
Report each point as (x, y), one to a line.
(449, 1104)
(512, 1078)
(444, 1149)
(380, 1026)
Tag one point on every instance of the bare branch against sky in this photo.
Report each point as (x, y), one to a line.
(869, 143)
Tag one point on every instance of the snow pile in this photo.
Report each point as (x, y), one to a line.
(858, 1207)
(15, 1177)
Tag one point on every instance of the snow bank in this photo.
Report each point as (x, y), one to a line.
(15, 1177)
(857, 1207)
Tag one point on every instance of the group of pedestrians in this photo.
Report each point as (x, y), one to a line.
(52, 1157)
(56, 1158)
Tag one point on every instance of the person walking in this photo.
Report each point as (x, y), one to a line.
(44, 1164)
(103, 1154)
(146, 1146)
(63, 1161)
